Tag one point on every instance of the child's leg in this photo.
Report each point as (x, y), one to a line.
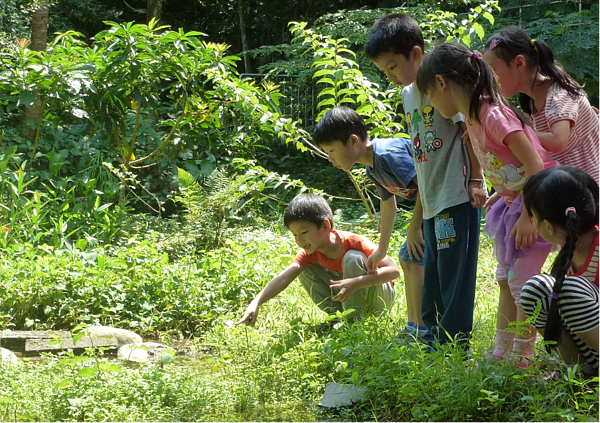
(432, 304)
(316, 281)
(456, 232)
(521, 271)
(413, 286)
(413, 272)
(375, 299)
(507, 312)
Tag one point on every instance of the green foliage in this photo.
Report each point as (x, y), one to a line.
(574, 40)
(135, 285)
(211, 206)
(140, 97)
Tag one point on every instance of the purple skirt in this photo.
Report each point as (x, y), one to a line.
(499, 222)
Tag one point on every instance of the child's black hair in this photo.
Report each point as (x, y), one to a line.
(547, 195)
(456, 63)
(337, 125)
(308, 208)
(513, 41)
(397, 33)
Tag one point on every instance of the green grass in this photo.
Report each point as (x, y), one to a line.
(278, 371)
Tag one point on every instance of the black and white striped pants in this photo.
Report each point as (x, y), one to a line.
(577, 305)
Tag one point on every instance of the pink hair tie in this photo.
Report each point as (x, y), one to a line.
(570, 209)
(494, 43)
(476, 55)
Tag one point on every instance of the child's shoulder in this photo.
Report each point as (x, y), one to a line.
(412, 91)
(392, 150)
(351, 236)
(387, 143)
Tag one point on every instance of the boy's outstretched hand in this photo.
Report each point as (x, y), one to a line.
(346, 288)
(249, 317)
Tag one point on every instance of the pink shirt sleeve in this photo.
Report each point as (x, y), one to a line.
(499, 123)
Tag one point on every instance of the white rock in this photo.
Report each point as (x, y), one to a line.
(8, 356)
(141, 352)
(122, 336)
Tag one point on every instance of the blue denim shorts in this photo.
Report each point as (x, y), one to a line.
(403, 254)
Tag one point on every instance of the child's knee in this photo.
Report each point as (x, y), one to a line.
(354, 263)
(535, 298)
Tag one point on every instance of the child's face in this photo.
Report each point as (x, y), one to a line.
(508, 76)
(397, 68)
(309, 236)
(548, 232)
(340, 155)
(442, 100)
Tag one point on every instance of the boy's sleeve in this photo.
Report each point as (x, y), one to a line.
(384, 194)
(361, 243)
(304, 259)
(402, 163)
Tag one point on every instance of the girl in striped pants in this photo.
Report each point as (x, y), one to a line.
(563, 202)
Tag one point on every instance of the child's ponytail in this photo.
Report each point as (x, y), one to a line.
(566, 197)
(513, 41)
(559, 270)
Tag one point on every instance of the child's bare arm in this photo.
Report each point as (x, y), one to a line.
(386, 272)
(273, 288)
(476, 186)
(388, 215)
(524, 231)
(557, 138)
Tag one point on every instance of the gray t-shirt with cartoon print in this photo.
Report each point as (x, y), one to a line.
(441, 158)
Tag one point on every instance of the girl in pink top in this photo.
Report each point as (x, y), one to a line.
(457, 80)
(563, 202)
(564, 120)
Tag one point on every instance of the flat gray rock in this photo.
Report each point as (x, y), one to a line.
(338, 395)
(34, 342)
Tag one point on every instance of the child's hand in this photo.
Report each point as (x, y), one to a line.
(524, 232)
(346, 288)
(249, 317)
(491, 201)
(477, 193)
(374, 259)
(415, 242)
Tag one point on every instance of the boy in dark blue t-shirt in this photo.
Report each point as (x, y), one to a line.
(342, 134)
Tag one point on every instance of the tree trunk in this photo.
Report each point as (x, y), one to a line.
(242, 15)
(39, 41)
(153, 10)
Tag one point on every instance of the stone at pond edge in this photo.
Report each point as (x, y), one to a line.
(122, 336)
(337, 395)
(141, 352)
(8, 356)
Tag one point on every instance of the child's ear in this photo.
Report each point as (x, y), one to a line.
(520, 62)
(327, 225)
(417, 53)
(549, 227)
(441, 83)
(354, 139)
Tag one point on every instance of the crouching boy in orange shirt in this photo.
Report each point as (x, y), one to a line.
(331, 265)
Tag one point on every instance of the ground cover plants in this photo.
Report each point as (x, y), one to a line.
(276, 372)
